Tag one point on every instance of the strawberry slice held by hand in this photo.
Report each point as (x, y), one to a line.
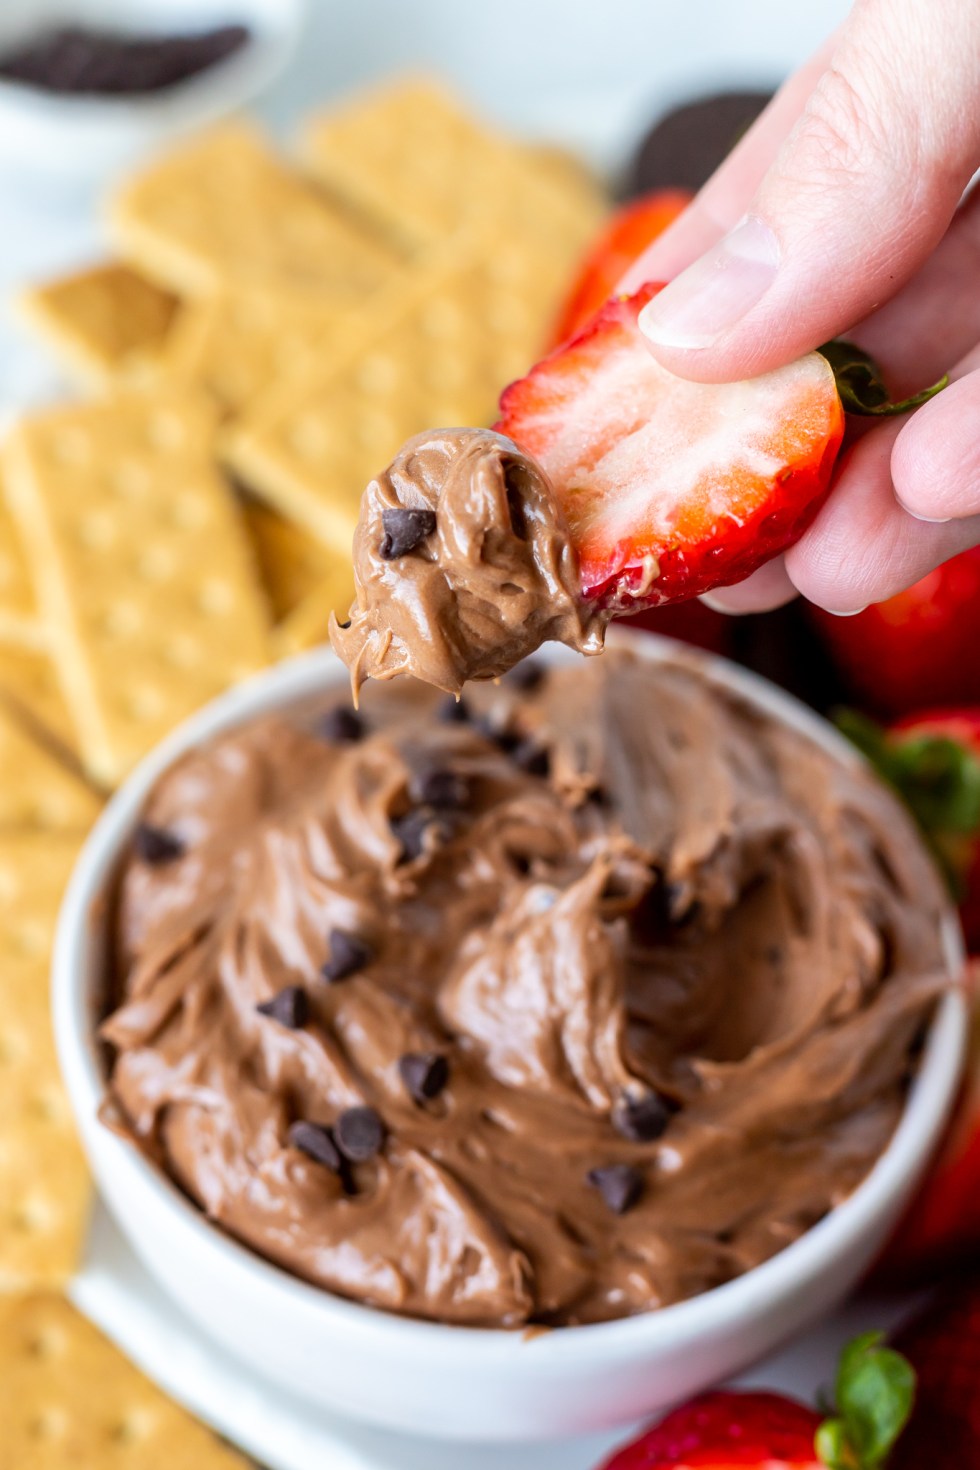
(671, 488)
(764, 1431)
(622, 241)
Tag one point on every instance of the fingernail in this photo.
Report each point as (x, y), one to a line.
(851, 612)
(929, 520)
(718, 605)
(714, 293)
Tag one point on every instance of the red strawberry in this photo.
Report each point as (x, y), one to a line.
(623, 240)
(942, 1227)
(734, 1431)
(943, 1346)
(933, 761)
(916, 649)
(670, 487)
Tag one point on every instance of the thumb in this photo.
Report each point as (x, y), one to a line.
(859, 195)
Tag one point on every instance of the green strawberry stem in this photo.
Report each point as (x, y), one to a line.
(874, 1393)
(937, 777)
(860, 385)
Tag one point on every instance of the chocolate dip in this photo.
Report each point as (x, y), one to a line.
(559, 1005)
(462, 565)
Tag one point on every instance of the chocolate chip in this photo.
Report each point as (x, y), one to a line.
(504, 739)
(619, 1184)
(341, 726)
(413, 828)
(317, 1142)
(642, 1119)
(439, 787)
(453, 711)
(345, 624)
(359, 1134)
(527, 675)
(424, 1074)
(290, 1007)
(348, 954)
(156, 846)
(532, 757)
(686, 146)
(404, 529)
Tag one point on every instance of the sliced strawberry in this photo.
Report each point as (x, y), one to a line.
(671, 487)
(733, 1431)
(623, 240)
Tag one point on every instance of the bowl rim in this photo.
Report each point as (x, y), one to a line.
(804, 1260)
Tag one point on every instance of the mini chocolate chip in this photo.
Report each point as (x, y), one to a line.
(411, 830)
(156, 846)
(439, 787)
(290, 1007)
(424, 1074)
(641, 1119)
(454, 711)
(532, 757)
(619, 1184)
(345, 624)
(504, 739)
(341, 725)
(348, 954)
(527, 675)
(317, 1142)
(359, 1134)
(405, 528)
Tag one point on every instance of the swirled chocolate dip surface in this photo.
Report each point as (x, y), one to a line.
(557, 1006)
(463, 565)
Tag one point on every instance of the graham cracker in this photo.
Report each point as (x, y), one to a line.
(306, 626)
(411, 157)
(106, 324)
(29, 682)
(437, 354)
(222, 209)
(20, 623)
(291, 564)
(235, 343)
(142, 566)
(44, 1186)
(69, 1400)
(37, 789)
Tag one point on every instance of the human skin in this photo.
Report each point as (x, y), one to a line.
(844, 211)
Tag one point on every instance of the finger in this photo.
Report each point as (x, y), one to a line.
(935, 319)
(767, 588)
(863, 547)
(935, 464)
(860, 194)
(726, 195)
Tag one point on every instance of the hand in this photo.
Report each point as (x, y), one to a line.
(841, 212)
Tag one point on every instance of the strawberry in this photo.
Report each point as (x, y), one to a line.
(623, 240)
(671, 488)
(933, 761)
(916, 649)
(941, 1229)
(735, 1431)
(943, 1347)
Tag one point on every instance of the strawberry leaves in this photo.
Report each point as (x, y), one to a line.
(860, 385)
(937, 776)
(874, 1393)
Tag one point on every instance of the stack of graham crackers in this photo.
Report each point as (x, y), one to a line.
(266, 334)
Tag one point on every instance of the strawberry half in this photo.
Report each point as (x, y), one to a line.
(735, 1431)
(671, 488)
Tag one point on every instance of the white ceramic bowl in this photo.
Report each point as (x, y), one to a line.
(454, 1381)
(89, 137)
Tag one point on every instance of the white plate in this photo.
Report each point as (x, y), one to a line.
(115, 1291)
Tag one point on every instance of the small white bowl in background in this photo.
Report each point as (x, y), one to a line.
(88, 137)
(423, 1377)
